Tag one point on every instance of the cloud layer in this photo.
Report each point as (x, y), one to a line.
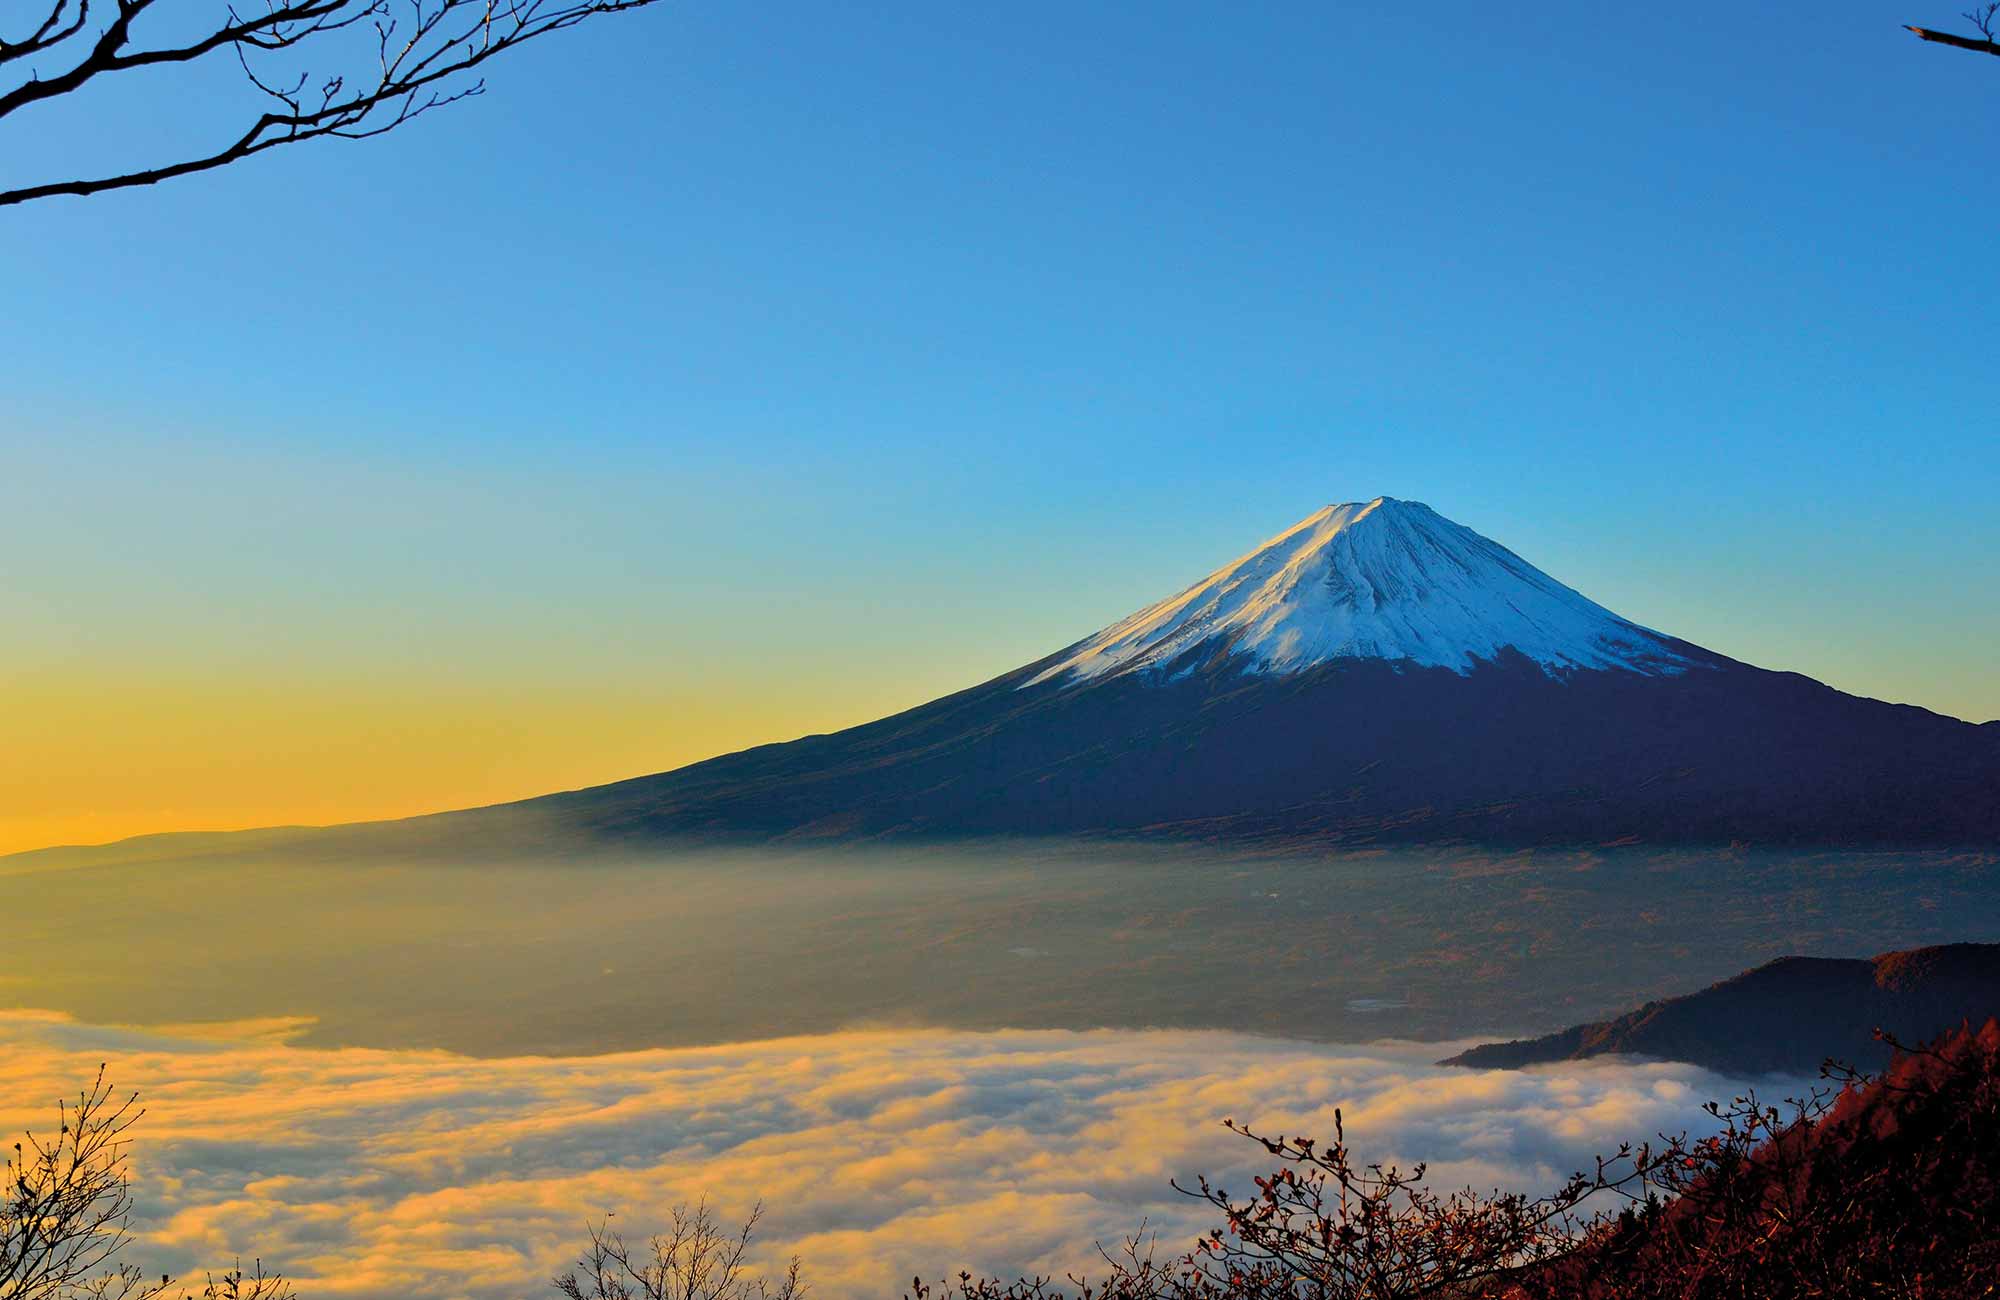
(878, 1154)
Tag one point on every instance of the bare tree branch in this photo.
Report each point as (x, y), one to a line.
(1982, 17)
(53, 31)
(422, 57)
(66, 1208)
(1962, 42)
(695, 1259)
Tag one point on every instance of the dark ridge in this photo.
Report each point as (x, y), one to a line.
(1786, 1016)
(1355, 752)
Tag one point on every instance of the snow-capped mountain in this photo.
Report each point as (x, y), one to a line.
(1373, 674)
(1381, 579)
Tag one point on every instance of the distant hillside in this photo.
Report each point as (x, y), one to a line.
(1786, 1016)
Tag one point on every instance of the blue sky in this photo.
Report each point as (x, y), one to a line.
(808, 361)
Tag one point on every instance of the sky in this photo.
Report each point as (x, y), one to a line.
(376, 1175)
(720, 377)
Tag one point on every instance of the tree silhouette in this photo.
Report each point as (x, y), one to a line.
(1885, 1186)
(341, 69)
(695, 1259)
(1981, 17)
(66, 1212)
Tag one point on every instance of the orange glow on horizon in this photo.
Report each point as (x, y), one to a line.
(83, 763)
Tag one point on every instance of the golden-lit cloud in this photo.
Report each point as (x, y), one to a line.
(880, 1155)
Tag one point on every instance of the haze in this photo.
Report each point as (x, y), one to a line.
(588, 951)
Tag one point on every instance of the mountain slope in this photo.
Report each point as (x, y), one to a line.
(1787, 1015)
(1355, 752)
(1882, 1193)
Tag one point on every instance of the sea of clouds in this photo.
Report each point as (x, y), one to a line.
(879, 1155)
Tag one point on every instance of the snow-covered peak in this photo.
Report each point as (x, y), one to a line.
(1381, 579)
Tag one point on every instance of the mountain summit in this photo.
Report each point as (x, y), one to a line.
(1382, 579)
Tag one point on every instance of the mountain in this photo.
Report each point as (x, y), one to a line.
(1787, 1016)
(1374, 673)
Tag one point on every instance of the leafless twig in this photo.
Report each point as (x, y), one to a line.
(1983, 19)
(424, 55)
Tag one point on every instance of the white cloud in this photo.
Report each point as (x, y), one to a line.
(879, 1154)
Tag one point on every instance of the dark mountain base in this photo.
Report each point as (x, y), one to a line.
(1354, 752)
